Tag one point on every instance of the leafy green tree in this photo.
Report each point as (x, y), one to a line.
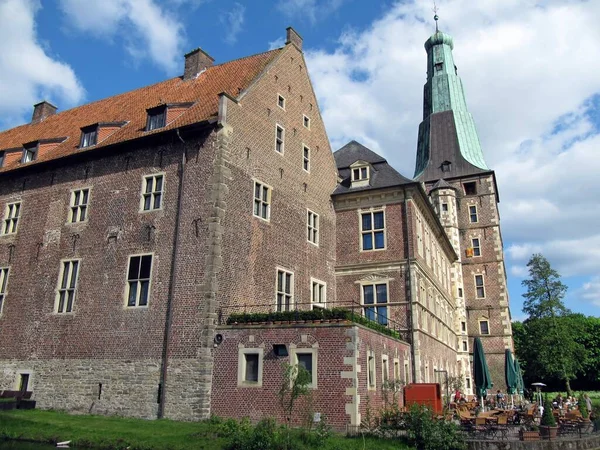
(558, 354)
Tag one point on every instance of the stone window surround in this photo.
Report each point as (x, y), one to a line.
(312, 229)
(281, 101)
(12, 216)
(482, 286)
(478, 246)
(306, 158)
(372, 210)
(278, 140)
(285, 271)
(371, 371)
(397, 375)
(474, 213)
(153, 193)
(374, 283)
(268, 202)
(18, 374)
(59, 287)
(126, 290)
(385, 367)
(306, 121)
(314, 351)
(314, 304)
(241, 381)
(75, 210)
(4, 274)
(485, 320)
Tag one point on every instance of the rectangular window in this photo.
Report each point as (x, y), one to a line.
(444, 207)
(479, 286)
(473, 214)
(375, 299)
(406, 373)
(372, 230)
(280, 101)
(465, 346)
(312, 224)
(279, 138)
(306, 121)
(463, 326)
(2, 155)
(305, 360)
(250, 367)
(29, 154)
(476, 247)
(385, 369)
(318, 294)
(306, 158)
(371, 370)
(285, 290)
(89, 137)
(262, 200)
(396, 369)
(484, 327)
(138, 279)
(460, 292)
(470, 188)
(67, 283)
(79, 205)
(468, 383)
(11, 218)
(152, 192)
(3, 281)
(360, 173)
(157, 118)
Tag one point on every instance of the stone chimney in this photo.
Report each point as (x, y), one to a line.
(293, 38)
(42, 110)
(195, 62)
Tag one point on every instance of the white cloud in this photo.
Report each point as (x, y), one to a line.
(29, 73)
(590, 291)
(277, 43)
(233, 20)
(147, 28)
(311, 10)
(529, 74)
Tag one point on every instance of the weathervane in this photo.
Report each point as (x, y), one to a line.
(435, 17)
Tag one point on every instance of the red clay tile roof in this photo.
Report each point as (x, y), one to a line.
(231, 77)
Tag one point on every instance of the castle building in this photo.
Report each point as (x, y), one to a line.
(137, 228)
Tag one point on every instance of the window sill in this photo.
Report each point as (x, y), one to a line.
(249, 384)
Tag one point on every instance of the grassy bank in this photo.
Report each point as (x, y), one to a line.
(101, 432)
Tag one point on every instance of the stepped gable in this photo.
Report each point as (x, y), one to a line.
(203, 91)
(382, 176)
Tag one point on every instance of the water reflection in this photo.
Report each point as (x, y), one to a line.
(16, 445)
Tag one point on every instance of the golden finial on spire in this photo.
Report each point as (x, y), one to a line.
(435, 17)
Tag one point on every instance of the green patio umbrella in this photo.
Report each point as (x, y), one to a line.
(510, 375)
(481, 373)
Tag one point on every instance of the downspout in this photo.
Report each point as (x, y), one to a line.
(408, 287)
(172, 279)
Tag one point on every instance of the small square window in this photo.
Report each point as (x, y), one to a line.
(470, 188)
(12, 214)
(479, 286)
(280, 101)
(3, 282)
(279, 139)
(306, 122)
(476, 247)
(318, 294)
(444, 207)
(372, 230)
(89, 137)
(157, 118)
(473, 218)
(484, 327)
(67, 283)
(284, 295)
(152, 193)
(79, 205)
(138, 280)
(446, 166)
(306, 158)
(262, 200)
(312, 225)
(29, 154)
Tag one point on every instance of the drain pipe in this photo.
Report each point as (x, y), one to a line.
(162, 387)
(408, 287)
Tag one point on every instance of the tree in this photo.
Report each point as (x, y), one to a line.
(558, 353)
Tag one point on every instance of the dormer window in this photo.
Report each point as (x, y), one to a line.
(157, 118)
(446, 166)
(360, 174)
(89, 136)
(2, 158)
(30, 153)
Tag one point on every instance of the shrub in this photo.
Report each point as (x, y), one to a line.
(266, 435)
(427, 433)
(547, 419)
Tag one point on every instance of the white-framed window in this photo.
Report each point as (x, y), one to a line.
(318, 294)
(484, 326)
(360, 173)
(67, 285)
(307, 358)
(3, 282)
(473, 214)
(371, 382)
(306, 158)
(372, 229)
(79, 205)
(250, 367)
(479, 286)
(262, 200)
(312, 227)
(152, 192)
(476, 246)
(138, 280)
(385, 368)
(375, 302)
(306, 121)
(12, 213)
(281, 101)
(284, 295)
(279, 138)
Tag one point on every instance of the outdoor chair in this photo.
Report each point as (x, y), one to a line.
(500, 428)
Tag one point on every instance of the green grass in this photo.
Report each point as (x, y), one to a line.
(111, 432)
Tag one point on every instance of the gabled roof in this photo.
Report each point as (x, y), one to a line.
(231, 78)
(442, 184)
(382, 174)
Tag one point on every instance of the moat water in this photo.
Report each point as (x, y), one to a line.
(17, 445)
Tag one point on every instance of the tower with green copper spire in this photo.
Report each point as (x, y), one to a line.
(464, 193)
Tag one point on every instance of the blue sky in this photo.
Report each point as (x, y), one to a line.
(529, 68)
